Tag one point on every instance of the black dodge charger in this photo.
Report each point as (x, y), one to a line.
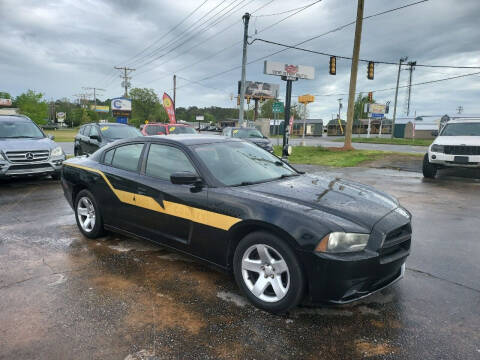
(287, 236)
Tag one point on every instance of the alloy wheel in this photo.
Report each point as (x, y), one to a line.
(265, 273)
(86, 214)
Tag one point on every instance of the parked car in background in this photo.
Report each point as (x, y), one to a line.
(457, 145)
(91, 137)
(166, 129)
(249, 134)
(286, 236)
(25, 150)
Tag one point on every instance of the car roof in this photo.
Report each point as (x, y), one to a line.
(184, 139)
(240, 127)
(164, 124)
(466, 120)
(105, 124)
(15, 118)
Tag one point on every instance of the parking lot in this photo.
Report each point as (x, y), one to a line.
(64, 296)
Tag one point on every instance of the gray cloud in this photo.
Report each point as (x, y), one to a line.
(59, 46)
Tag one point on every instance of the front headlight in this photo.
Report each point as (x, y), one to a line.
(338, 242)
(437, 148)
(57, 151)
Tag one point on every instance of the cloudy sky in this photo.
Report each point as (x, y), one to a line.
(58, 47)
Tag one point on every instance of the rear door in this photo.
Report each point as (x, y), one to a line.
(84, 138)
(121, 166)
(94, 144)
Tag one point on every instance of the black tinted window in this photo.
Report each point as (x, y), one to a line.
(109, 157)
(86, 130)
(164, 160)
(94, 131)
(155, 130)
(127, 157)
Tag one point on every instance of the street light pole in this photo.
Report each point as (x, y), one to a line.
(246, 19)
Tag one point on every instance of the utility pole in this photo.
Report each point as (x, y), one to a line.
(412, 67)
(402, 60)
(353, 76)
(94, 94)
(174, 91)
(125, 83)
(459, 109)
(246, 19)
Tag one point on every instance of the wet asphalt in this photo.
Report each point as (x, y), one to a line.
(63, 296)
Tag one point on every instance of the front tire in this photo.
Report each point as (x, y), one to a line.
(429, 169)
(268, 272)
(88, 216)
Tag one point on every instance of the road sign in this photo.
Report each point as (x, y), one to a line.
(277, 107)
(377, 115)
(199, 118)
(305, 99)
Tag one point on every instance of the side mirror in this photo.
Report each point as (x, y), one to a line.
(185, 178)
(95, 137)
(435, 133)
(51, 137)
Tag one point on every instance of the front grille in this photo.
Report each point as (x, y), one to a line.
(396, 244)
(461, 150)
(27, 156)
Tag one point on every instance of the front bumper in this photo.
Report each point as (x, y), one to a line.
(449, 160)
(343, 278)
(52, 165)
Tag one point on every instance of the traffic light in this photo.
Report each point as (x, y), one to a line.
(370, 96)
(333, 65)
(370, 70)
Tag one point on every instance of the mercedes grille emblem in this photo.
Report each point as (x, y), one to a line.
(29, 156)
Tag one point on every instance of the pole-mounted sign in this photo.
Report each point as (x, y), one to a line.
(289, 73)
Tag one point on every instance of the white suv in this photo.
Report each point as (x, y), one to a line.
(458, 144)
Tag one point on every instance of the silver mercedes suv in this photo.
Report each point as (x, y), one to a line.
(25, 150)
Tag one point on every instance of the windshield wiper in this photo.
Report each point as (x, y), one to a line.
(283, 176)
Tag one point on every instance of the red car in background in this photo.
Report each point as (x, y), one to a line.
(166, 129)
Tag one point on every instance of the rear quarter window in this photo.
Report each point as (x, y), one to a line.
(127, 157)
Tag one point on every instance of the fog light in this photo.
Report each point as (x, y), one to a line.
(434, 157)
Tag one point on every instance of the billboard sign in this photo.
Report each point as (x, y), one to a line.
(5, 102)
(199, 118)
(61, 117)
(100, 108)
(291, 72)
(376, 108)
(121, 104)
(258, 90)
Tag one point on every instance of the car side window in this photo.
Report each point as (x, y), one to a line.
(108, 157)
(164, 160)
(86, 130)
(82, 129)
(126, 157)
(94, 131)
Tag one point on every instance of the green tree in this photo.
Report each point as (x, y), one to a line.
(32, 105)
(144, 105)
(358, 112)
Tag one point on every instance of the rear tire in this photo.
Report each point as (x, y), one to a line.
(88, 215)
(268, 272)
(429, 169)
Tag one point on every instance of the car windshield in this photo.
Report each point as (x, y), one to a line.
(181, 130)
(119, 131)
(236, 163)
(19, 129)
(246, 133)
(461, 129)
(155, 130)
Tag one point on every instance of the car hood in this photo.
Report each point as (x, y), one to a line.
(458, 140)
(26, 144)
(353, 201)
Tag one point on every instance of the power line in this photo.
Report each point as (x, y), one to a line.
(284, 12)
(363, 60)
(145, 61)
(406, 86)
(210, 55)
(194, 35)
(168, 32)
(313, 38)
